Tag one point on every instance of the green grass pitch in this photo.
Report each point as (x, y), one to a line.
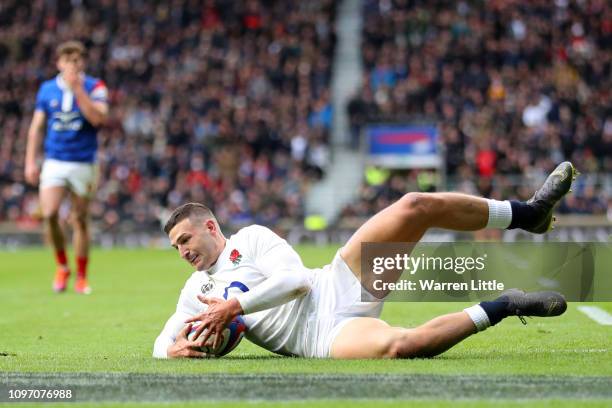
(101, 344)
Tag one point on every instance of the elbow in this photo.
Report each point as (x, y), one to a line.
(99, 121)
(303, 286)
(160, 350)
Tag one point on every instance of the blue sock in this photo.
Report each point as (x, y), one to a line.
(495, 310)
(522, 214)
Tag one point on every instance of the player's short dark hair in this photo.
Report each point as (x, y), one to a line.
(189, 210)
(70, 47)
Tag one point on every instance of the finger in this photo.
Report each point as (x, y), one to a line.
(194, 345)
(218, 339)
(196, 354)
(187, 352)
(207, 335)
(204, 299)
(200, 329)
(185, 331)
(195, 318)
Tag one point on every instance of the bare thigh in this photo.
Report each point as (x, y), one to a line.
(411, 216)
(51, 199)
(80, 206)
(365, 337)
(393, 224)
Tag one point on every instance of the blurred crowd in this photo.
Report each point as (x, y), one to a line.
(218, 101)
(228, 102)
(380, 188)
(516, 87)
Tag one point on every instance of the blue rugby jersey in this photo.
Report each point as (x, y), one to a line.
(70, 137)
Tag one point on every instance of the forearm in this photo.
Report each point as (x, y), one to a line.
(160, 349)
(276, 290)
(92, 112)
(32, 148)
(167, 337)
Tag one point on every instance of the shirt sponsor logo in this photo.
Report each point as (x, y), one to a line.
(66, 121)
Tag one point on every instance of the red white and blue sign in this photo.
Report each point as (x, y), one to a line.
(404, 146)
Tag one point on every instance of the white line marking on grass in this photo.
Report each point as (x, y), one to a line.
(597, 314)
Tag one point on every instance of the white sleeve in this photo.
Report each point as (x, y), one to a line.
(168, 335)
(174, 324)
(287, 278)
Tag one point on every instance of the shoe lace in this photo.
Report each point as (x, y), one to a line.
(521, 317)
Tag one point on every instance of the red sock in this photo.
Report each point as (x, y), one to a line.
(81, 266)
(60, 257)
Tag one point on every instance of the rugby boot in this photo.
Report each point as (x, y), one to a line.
(62, 273)
(543, 304)
(82, 287)
(558, 184)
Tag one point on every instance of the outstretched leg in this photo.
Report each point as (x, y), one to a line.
(411, 216)
(408, 218)
(406, 221)
(367, 337)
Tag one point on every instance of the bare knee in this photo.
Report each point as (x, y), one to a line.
(79, 219)
(51, 216)
(409, 344)
(421, 205)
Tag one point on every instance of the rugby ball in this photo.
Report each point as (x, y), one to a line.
(231, 337)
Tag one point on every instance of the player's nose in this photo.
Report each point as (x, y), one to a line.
(184, 252)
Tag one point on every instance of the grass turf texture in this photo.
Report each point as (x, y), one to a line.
(135, 291)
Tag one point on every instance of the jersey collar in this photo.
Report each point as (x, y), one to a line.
(220, 260)
(60, 82)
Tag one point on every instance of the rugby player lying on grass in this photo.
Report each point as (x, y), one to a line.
(292, 310)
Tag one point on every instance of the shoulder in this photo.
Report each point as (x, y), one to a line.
(255, 232)
(47, 91)
(95, 86)
(258, 239)
(93, 82)
(48, 85)
(255, 229)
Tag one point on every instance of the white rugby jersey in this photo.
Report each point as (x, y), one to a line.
(254, 262)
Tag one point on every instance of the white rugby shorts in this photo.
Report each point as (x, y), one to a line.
(336, 300)
(78, 177)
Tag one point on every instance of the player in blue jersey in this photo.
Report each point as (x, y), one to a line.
(71, 107)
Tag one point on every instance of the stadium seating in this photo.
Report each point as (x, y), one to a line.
(515, 86)
(223, 102)
(228, 102)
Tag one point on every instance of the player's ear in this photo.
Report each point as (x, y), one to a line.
(210, 225)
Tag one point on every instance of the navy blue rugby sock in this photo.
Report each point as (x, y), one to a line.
(522, 214)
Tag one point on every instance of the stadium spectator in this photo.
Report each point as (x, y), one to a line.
(229, 82)
(208, 97)
(516, 87)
